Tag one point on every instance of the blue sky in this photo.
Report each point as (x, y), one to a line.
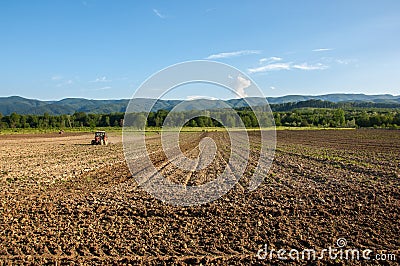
(105, 49)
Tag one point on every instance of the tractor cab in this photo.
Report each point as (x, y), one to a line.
(100, 138)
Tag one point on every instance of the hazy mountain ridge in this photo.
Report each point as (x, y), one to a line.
(22, 105)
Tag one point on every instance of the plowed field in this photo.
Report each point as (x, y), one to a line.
(63, 201)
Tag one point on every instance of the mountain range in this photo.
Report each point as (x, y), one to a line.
(22, 105)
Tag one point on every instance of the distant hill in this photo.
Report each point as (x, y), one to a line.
(22, 105)
(19, 105)
(337, 97)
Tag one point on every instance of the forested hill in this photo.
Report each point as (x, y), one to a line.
(332, 105)
(16, 104)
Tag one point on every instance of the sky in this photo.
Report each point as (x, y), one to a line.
(105, 49)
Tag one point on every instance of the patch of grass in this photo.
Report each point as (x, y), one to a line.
(312, 128)
(184, 129)
(8, 131)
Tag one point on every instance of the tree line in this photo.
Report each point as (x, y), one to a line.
(332, 105)
(339, 118)
(303, 117)
(78, 119)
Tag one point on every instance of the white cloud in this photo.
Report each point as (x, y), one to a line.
(306, 66)
(270, 67)
(286, 66)
(158, 14)
(101, 79)
(233, 54)
(272, 88)
(322, 49)
(241, 84)
(269, 59)
(262, 60)
(274, 58)
(197, 97)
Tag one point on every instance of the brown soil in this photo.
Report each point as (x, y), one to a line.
(63, 201)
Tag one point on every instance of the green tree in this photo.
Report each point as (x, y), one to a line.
(81, 119)
(247, 121)
(351, 123)
(107, 122)
(304, 123)
(200, 121)
(339, 117)
(363, 120)
(15, 120)
(139, 121)
(396, 119)
(278, 120)
(230, 121)
(192, 123)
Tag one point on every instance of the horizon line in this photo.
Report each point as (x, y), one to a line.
(285, 95)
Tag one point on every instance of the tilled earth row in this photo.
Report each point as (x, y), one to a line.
(69, 203)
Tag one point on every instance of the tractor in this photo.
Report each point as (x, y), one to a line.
(100, 138)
